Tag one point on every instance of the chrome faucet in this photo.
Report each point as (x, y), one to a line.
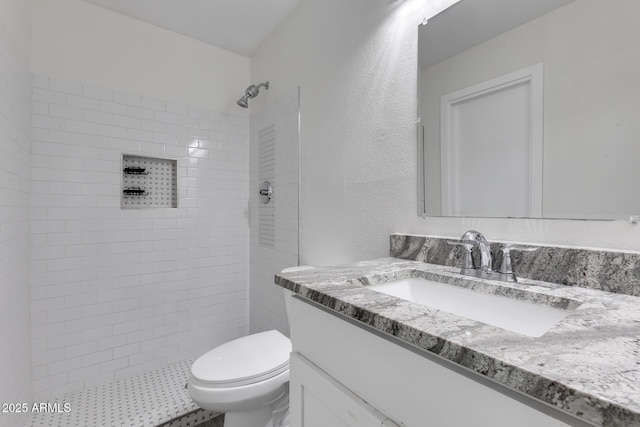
(470, 240)
(475, 237)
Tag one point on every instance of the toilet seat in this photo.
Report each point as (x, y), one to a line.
(244, 361)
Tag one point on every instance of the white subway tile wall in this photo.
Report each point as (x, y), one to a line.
(120, 292)
(15, 164)
(281, 122)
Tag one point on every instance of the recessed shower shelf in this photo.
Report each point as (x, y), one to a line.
(148, 182)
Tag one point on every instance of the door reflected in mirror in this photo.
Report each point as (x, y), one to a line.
(495, 142)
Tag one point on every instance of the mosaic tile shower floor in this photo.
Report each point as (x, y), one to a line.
(156, 398)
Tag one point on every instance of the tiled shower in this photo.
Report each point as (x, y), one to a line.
(116, 292)
(95, 290)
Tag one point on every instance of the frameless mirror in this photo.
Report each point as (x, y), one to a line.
(530, 108)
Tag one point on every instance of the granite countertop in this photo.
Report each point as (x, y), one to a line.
(587, 365)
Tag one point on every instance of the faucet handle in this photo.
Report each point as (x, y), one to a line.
(505, 266)
(467, 261)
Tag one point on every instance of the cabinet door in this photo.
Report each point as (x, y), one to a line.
(317, 400)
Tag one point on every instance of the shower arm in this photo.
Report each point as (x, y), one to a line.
(253, 90)
(265, 85)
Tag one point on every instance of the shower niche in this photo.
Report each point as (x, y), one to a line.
(148, 182)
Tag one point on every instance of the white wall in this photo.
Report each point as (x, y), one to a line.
(118, 292)
(15, 164)
(16, 25)
(79, 41)
(356, 63)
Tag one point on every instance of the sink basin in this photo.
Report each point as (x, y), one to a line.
(514, 315)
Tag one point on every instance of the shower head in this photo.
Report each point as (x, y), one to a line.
(250, 93)
(244, 102)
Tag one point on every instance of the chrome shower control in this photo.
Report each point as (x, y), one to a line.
(266, 192)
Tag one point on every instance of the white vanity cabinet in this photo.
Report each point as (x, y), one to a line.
(344, 373)
(320, 401)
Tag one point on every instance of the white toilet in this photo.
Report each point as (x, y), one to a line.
(247, 378)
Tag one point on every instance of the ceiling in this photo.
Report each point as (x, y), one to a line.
(471, 22)
(236, 25)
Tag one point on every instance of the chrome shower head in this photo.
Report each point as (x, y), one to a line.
(250, 93)
(244, 102)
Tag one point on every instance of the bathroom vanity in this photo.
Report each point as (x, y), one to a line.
(364, 358)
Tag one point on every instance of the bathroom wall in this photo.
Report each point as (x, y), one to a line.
(78, 41)
(117, 292)
(274, 226)
(356, 63)
(15, 147)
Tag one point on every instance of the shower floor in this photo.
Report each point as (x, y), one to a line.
(155, 398)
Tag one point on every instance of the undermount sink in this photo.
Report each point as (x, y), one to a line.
(523, 317)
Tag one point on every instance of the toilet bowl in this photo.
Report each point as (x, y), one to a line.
(247, 378)
(243, 378)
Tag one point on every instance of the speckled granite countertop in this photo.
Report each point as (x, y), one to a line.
(587, 365)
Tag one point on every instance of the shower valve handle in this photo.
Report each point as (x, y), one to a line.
(266, 192)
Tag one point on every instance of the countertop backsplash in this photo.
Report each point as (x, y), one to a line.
(607, 270)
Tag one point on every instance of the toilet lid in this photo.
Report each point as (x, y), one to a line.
(244, 360)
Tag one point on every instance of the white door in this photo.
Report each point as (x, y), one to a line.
(317, 400)
(492, 147)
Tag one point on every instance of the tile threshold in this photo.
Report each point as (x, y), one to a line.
(151, 399)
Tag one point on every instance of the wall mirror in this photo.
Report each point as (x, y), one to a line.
(530, 108)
